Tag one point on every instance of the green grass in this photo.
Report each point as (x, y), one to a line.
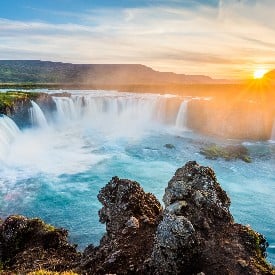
(8, 98)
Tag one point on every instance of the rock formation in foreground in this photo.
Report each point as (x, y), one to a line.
(30, 244)
(194, 234)
(197, 232)
(131, 218)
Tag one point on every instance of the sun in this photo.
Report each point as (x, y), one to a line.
(259, 73)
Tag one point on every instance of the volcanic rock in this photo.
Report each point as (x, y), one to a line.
(131, 217)
(197, 234)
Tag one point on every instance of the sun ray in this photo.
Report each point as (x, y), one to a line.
(259, 73)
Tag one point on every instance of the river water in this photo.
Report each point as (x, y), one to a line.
(55, 169)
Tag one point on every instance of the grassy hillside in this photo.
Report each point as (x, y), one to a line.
(35, 71)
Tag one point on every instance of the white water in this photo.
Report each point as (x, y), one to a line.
(37, 116)
(66, 108)
(8, 132)
(111, 106)
(115, 114)
(181, 120)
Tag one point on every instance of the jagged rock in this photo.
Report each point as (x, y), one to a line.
(131, 218)
(30, 244)
(197, 234)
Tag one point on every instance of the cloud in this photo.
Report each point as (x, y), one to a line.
(225, 40)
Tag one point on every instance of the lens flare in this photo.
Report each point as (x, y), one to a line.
(259, 73)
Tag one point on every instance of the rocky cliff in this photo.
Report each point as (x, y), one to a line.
(194, 234)
(16, 105)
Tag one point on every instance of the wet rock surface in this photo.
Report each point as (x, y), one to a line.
(194, 234)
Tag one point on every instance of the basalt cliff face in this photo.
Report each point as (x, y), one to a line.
(16, 105)
(194, 234)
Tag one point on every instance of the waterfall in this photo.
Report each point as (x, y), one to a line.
(37, 116)
(111, 107)
(273, 132)
(8, 132)
(181, 120)
(137, 108)
(67, 109)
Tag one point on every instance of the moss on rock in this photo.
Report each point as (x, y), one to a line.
(7, 98)
(230, 152)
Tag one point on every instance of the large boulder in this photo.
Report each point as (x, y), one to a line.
(197, 233)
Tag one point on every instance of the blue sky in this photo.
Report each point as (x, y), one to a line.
(46, 10)
(221, 38)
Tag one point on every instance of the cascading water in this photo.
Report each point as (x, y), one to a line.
(37, 116)
(117, 108)
(181, 120)
(138, 108)
(8, 132)
(273, 132)
(115, 114)
(67, 109)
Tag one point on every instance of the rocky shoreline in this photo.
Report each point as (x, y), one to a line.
(194, 234)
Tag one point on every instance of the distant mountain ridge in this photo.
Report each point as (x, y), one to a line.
(37, 71)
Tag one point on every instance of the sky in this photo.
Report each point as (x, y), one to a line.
(219, 38)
